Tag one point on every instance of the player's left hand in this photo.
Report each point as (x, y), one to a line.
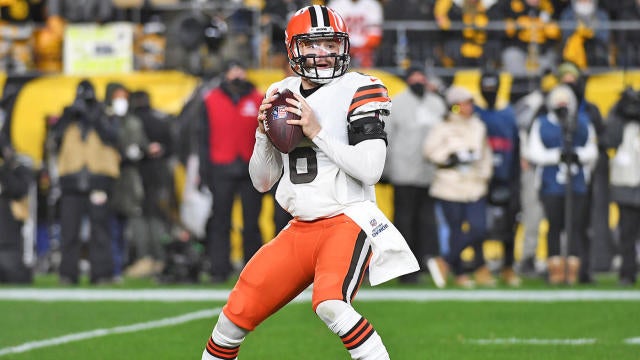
(310, 125)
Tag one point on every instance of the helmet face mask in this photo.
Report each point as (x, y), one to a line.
(318, 44)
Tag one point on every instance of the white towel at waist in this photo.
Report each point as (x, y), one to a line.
(391, 256)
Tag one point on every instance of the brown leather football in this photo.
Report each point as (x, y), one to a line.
(284, 137)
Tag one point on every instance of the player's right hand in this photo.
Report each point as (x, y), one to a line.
(264, 107)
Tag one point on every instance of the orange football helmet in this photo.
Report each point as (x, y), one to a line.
(311, 24)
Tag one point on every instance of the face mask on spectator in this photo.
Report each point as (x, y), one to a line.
(491, 97)
(584, 9)
(562, 112)
(417, 89)
(120, 106)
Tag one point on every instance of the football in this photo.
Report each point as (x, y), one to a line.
(284, 137)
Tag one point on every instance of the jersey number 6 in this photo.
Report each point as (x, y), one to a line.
(303, 165)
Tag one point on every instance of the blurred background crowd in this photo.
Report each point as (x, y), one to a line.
(125, 183)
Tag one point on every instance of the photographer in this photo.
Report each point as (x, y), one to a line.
(623, 134)
(596, 230)
(562, 143)
(88, 163)
(15, 178)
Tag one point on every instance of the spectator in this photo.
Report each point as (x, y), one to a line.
(527, 109)
(15, 179)
(563, 144)
(364, 21)
(471, 45)
(48, 41)
(459, 148)
(597, 206)
(417, 109)
(145, 256)
(88, 165)
(274, 17)
(532, 35)
(504, 187)
(585, 39)
(559, 6)
(628, 40)
(160, 204)
(231, 111)
(623, 133)
(399, 47)
(91, 10)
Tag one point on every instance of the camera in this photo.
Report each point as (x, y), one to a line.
(629, 104)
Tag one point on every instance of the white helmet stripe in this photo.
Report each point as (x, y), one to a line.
(319, 15)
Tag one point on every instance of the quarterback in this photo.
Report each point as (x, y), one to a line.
(327, 185)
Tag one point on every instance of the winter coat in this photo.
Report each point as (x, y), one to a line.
(466, 181)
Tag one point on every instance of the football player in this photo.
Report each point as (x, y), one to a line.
(327, 185)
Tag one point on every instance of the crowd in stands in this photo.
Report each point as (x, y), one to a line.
(519, 36)
(522, 37)
(464, 168)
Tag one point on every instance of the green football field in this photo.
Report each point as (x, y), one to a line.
(415, 322)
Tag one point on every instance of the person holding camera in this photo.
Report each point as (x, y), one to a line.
(596, 230)
(562, 143)
(623, 134)
(88, 163)
(15, 179)
(459, 148)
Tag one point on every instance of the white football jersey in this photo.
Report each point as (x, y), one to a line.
(312, 185)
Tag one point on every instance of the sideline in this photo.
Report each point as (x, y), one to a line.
(181, 295)
(172, 321)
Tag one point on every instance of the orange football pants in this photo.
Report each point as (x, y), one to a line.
(332, 253)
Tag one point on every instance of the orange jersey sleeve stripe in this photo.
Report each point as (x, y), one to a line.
(362, 102)
(370, 93)
(367, 90)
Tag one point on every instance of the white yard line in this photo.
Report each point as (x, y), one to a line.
(632, 341)
(172, 321)
(533, 341)
(174, 295)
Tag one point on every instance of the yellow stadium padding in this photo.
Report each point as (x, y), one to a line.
(3, 80)
(604, 89)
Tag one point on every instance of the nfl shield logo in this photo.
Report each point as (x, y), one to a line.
(279, 112)
(373, 222)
